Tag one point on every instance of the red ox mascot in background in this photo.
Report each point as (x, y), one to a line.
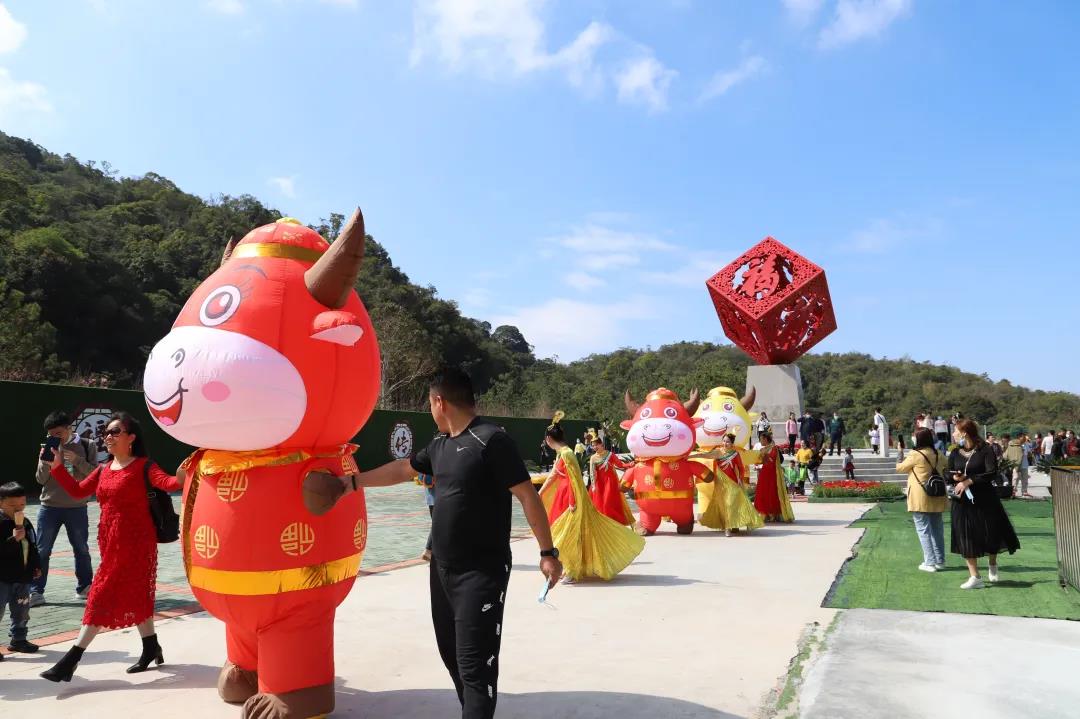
(271, 368)
(661, 435)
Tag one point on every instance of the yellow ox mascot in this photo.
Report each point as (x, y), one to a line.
(723, 504)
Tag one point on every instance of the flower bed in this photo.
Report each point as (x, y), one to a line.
(852, 488)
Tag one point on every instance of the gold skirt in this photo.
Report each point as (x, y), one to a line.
(592, 544)
(728, 506)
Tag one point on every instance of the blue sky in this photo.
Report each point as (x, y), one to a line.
(579, 169)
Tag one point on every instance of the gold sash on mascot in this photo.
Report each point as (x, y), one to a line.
(272, 581)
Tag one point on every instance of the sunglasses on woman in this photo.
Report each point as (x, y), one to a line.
(115, 431)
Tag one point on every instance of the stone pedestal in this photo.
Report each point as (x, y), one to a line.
(779, 392)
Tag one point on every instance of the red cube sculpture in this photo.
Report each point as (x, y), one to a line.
(773, 303)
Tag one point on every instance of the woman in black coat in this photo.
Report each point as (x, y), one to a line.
(980, 525)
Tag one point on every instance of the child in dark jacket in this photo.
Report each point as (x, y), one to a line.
(19, 564)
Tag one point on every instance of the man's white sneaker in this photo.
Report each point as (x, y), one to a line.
(993, 574)
(940, 567)
(928, 567)
(973, 583)
(36, 599)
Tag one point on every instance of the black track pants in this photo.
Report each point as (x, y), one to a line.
(467, 611)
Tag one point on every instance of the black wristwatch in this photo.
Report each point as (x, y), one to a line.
(553, 552)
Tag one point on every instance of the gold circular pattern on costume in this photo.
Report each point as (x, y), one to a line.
(231, 486)
(359, 534)
(206, 541)
(649, 482)
(669, 483)
(297, 539)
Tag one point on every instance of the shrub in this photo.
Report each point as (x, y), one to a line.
(851, 488)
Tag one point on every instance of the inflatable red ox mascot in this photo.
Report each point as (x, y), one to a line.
(271, 368)
(660, 436)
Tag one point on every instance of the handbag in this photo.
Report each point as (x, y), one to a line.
(934, 486)
(162, 514)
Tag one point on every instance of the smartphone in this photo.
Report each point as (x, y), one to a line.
(542, 597)
(51, 443)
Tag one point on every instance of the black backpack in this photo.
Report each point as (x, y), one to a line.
(162, 514)
(935, 485)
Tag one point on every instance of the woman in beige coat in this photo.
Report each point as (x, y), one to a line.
(927, 511)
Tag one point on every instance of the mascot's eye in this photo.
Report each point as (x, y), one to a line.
(219, 306)
(671, 412)
(728, 407)
(178, 357)
(646, 412)
(706, 407)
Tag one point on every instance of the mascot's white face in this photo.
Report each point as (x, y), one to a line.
(214, 388)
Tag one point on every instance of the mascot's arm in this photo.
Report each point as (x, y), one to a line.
(324, 484)
(702, 473)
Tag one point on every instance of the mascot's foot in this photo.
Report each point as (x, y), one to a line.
(641, 531)
(685, 528)
(236, 685)
(300, 704)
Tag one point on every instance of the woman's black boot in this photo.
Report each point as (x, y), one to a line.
(64, 668)
(151, 651)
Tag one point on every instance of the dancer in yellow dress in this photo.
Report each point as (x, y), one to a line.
(729, 508)
(590, 543)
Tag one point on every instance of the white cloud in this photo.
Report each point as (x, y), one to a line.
(498, 38)
(571, 329)
(226, 7)
(596, 247)
(802, 12)
(477, 298)
(18, 99)
(721, 82)
(351, 4)
(645, 81)
(584, 281)
(855, 20)
(12, 32)
(883, 234)
(694, 272)
(285, 185)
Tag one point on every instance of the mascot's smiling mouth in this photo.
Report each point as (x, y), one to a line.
(167, 412)
(715, 432)
(656, 442)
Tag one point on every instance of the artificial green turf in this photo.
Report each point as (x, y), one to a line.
(884, 573)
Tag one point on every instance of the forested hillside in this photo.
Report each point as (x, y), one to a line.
(95, 267)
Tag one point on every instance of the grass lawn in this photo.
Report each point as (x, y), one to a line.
(884, 574)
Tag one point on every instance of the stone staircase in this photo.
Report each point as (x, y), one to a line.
(868, 467)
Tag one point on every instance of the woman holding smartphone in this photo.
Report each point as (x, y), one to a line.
(122, 594)
(980, 525)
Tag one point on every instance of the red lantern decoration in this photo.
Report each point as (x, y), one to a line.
(773, 303)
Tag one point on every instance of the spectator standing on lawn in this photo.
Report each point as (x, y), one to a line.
(1048, 445)
(60, 509)
(1016, 452)
(1072, 444)
(941, 434)
(980, 525)
(922, 462)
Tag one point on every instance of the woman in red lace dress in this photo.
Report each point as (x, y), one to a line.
(605, 491)
(122, 594)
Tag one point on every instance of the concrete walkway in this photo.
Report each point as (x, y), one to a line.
(699, 626)
(915, 665)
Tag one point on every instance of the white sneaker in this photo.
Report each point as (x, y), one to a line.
(928, 567)
(36, 600)
(973, 583)
(993, 575)
(940, 567)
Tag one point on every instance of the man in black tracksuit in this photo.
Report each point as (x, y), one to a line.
(476, 468)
